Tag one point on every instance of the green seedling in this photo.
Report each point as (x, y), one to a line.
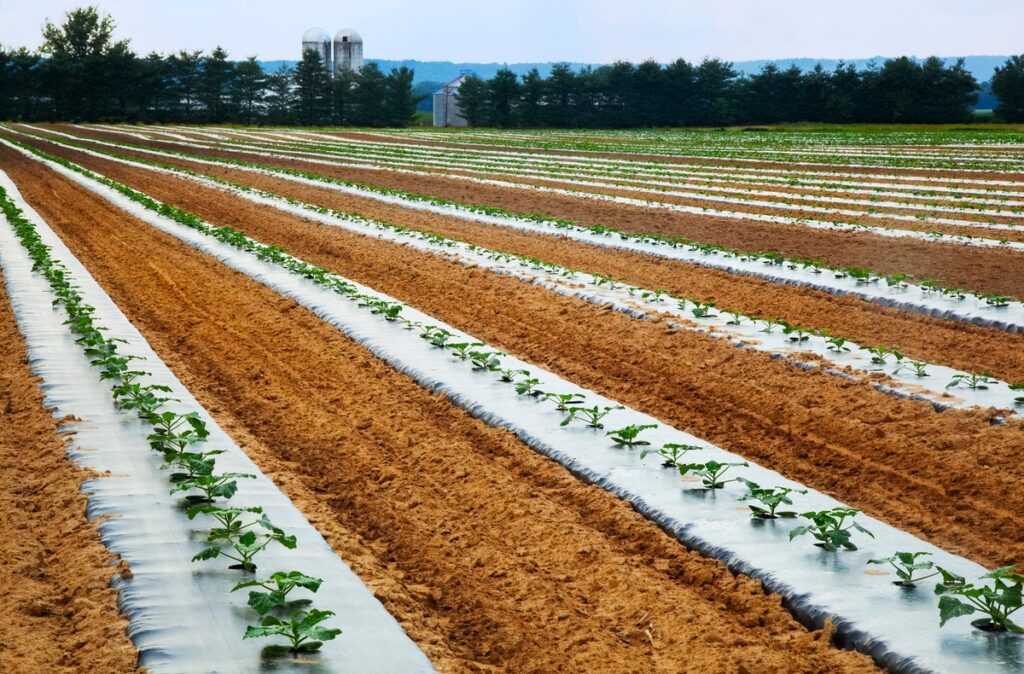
(880, 354)
(997, 602)
(796, 333)
(436, 336)
(837, 344)
(627, 436)
(509, 374)
(735, 317)
(142, 398)
(212, 486)
(243, 548)
(710, 473)
(302, 630)
(975, 381)
(195, 464)
(592, 416)
(1019, 386)
(230, 519)
(769, 324)
(462, 350)
(563, 401)
(996, 301)
(771, 498)
(831, 528)
(671, 453)
(907, 566)
(176, 432)
(528, 387)
(485, 360)
(703, 310)
(277, 587)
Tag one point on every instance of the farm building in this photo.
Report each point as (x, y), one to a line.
(348, 50)
(446, 106)
(318, 40)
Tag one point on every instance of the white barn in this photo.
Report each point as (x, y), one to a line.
(446, 107)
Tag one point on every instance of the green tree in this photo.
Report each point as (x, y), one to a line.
(214, 89)
(399, 100)
(529, 113)
(472, 100)
(185, 72)
(280, 97)
(247, 90)
(502, 97)
(1008, 88)
(368, 98)
(312, 90)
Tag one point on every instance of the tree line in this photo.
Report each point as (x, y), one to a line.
(82, 74)
(713, 93)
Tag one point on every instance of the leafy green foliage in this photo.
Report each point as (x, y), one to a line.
(302, 630)
(671, 453)
(591, 416)
(276, 589)
(711, 472)
(831, 528)
(907, 565)
(771, 498)
(627, 436)
(974, 381)
(996, 601)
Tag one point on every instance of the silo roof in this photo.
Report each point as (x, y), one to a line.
(347, 33)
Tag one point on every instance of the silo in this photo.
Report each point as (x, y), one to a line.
(319, 41)
(348, 50)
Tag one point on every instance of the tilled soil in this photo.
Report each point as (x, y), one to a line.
(491, 557)
(926, 472)
(59, 612)
(964, 346)
(981, 269)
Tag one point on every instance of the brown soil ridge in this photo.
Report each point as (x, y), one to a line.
(60, 612)
(981, 269)
(683, 159)
(555, 575)
(964, 346)
(896, 459)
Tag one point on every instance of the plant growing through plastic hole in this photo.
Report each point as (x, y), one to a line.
(997, 602)
(175, 432)
(212, 486)
(528, 387)
(436, 336)
(880, 354)
(711, 473)
(837, 344)
(771, 498)
(230, 519)
(509, 375)
(671, 453)
(907, 567)
(302, 629)
(244, 547)
(796, 333)
(485, 360)
(831, 528)
(735, 318)
(462, 350)
(627, 436)
(563, 401)
(769, 324)
(277, 587)
(195, 464)
(703, 310)
(975, 381)
(591, 416)
(1019, 386)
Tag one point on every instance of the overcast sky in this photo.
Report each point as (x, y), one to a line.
(593, 31)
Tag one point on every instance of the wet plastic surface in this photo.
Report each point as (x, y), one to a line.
(898, 627)
(182, 617)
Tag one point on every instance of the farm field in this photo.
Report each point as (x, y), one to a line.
(509, 379)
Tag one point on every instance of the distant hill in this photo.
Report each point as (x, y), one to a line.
(445, 71)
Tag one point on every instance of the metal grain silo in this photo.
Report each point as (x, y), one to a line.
(348, 50)
(319, 41)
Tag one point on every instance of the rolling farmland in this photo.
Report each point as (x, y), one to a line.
(509, 400)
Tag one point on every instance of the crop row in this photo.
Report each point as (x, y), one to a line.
(832, 529)
(863, 277)
(831, 346)
(650, 181)
(238, 534)
(834, 223)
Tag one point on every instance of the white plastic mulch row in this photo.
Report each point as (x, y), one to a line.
(900, 629)
(182, 616)
(888, 232)
(652, 184)
(907, 297)
(630, 300)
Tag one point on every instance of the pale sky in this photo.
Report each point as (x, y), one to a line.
(592, 31)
